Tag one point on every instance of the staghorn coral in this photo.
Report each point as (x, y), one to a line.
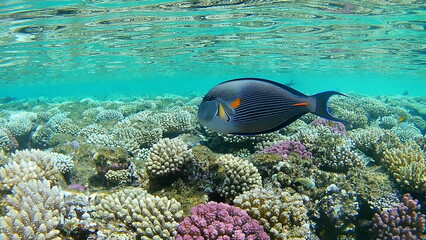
(167, 157)
(403, 222)
(34, 211)
(407, 165)
(29, 164)
(152, 217)
(219, 221)
(235, 176)
(282, 214)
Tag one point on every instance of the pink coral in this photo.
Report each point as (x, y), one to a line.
(284, 148)
(403, 222)
(219, 221)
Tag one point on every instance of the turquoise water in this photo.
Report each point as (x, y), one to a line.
(85, 48)
(100, 137)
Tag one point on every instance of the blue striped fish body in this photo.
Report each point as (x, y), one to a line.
(252, 106)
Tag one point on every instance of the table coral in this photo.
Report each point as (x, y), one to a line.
(152, 217)
(403, 222)
(282, 214)
(34, 211)
(219, 221)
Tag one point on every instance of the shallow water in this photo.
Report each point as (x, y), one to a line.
(99, 136)
(129, 47)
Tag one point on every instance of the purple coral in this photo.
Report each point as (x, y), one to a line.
(335, 127)
(284, 148)
(403, 222)
(219, 221)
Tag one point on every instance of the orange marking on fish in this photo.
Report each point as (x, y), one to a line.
(236, 103)
(301, 104)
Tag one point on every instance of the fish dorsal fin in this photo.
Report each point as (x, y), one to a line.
(291, 90)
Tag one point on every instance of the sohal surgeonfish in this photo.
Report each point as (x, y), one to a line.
(250, 106)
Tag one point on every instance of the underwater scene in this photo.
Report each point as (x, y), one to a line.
(212, 119)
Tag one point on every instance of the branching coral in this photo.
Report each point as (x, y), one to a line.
(151, 216)
(403, 222)
(219, 221)
(34, 211)
(29, 164)
(282, 214)
(407, 165)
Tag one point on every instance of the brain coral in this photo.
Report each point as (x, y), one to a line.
(167, 157)
(34, 211)
(151, 216)
(219, 221)
(29, 164)
(281, 213)
(237, 175)
(407, 165)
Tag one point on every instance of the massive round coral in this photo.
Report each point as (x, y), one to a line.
(219, 221)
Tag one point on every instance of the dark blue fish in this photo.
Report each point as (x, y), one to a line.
(250, 106)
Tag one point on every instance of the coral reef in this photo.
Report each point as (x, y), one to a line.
(282, 214)
(167, 157)
(323, 179)
(34, 211)
(219, 221)
(403, 222)
(152, 217)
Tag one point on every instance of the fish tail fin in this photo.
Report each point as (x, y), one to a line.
(322, 107)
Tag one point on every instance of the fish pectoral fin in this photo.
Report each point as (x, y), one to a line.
(221, 113)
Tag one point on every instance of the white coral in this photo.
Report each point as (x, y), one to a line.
(26, 165)
(34, 211)
(167, 157)
(153, 217)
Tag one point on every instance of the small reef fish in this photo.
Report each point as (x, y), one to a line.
(250, 106)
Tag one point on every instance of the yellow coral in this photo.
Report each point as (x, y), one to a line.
(407, 165)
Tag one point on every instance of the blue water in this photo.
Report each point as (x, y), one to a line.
(98, 48)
